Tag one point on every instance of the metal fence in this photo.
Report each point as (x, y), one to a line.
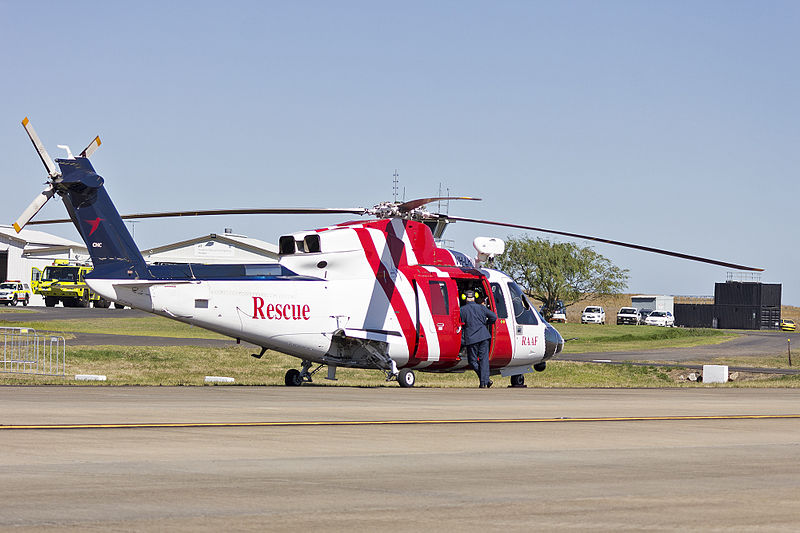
(25, 351)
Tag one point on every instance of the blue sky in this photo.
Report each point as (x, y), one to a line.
(670, 124)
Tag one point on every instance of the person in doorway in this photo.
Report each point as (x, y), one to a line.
(477, 320)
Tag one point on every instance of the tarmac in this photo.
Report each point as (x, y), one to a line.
(336, 459)
(81, 458)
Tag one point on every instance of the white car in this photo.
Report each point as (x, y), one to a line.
(660, 318)
(628, 315)
(593, 315)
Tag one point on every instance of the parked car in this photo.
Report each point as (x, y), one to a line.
(660, 318)
(628, 315)
(643, 313)
(788, 325)
(13, 292)
(559, 314)
(593, 315)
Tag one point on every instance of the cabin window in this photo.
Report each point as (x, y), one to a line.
(440, 303)
(311, 244)
(286, 245)
(523, 312)
(499, 301)
(201, 304)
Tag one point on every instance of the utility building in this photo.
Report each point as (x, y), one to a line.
(737, 305)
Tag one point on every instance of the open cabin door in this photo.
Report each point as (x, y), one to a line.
(445, 320)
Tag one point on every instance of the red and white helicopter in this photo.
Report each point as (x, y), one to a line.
(374, 294)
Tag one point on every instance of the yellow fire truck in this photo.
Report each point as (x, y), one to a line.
(64, 281)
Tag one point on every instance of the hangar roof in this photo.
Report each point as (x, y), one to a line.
(213, 248)
(37, 238)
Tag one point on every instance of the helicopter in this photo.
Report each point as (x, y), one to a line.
(372, 294)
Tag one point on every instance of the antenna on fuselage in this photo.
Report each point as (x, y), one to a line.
(394, 184)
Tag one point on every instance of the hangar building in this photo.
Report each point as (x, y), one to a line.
(214, 248)
(19, 252)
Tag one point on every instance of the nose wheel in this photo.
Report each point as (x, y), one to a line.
(293, 378)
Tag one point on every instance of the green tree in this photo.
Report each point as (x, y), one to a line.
(553, 271)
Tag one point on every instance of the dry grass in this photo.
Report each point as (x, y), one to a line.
(188, 366)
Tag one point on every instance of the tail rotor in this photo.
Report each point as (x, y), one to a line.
(53, 175)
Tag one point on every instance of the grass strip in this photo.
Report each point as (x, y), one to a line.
(188, 366)
(608, 338)
(152, 326)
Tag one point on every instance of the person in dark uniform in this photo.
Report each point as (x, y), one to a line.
(476, 335)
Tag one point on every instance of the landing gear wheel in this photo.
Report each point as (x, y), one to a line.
(540, 367)
(293, 378)
(406, 378)
(82, 301)
(518, 380)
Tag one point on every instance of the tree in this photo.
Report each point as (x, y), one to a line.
(553, 271)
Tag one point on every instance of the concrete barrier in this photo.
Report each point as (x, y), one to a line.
(89, 377)
(219, 379)
(715, 373)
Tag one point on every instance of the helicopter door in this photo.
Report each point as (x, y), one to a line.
(36, 276)
(445, 318)
(526, 336)
(503, 329)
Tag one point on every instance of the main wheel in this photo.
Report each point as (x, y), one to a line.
(82, 300)
(518, 380)
(406, 378)
(293, 378)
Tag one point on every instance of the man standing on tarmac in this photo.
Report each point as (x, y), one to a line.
(477, 319)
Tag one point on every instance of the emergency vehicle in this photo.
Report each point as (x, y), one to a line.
(64, 281)
(13, 292)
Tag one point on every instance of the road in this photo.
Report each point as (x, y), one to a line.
(557, 473)
(750, 343)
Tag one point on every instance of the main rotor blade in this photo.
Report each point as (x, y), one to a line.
(245, 211)
(34, 208)
(609, 241)
(410, 205)
(37, 143)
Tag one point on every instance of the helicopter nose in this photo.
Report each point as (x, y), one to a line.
(553, 341)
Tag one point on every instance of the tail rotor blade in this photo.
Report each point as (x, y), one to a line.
(43, 155)
(34, 208)
(89, 150)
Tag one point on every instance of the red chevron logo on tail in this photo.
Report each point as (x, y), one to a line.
(94, 223)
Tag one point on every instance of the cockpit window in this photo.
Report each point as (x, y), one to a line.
(523, 310)
(499, 300)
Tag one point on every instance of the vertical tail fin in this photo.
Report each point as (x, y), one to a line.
(113, 251)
